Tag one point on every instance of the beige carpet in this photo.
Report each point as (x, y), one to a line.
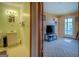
(62, 47)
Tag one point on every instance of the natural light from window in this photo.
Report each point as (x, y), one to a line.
(68, 26)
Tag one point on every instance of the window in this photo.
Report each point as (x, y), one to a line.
(68, 26)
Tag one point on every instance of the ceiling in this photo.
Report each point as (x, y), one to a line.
(17, 4)
(60, 8)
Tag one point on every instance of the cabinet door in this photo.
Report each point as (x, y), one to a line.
(12, 39)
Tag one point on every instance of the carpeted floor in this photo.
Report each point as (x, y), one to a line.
(62, 47)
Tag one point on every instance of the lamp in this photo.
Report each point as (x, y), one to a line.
(10, 12)
(11, 15)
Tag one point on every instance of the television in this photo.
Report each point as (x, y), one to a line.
(50, 29)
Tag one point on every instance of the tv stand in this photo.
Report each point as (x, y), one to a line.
(50, 37)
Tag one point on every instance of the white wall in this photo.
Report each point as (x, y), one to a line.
(50, 21)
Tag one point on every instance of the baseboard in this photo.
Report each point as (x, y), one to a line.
(69, 37)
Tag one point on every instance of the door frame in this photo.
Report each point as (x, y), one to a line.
(30, 29)
(39, 26)
(40, 29)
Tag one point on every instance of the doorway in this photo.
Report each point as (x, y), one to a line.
(15, 28)
(55, 41)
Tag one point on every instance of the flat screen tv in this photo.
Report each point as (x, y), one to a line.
(50, 29)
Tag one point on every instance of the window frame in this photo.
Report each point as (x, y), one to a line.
(67, 26)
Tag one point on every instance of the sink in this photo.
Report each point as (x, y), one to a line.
(11, 32)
